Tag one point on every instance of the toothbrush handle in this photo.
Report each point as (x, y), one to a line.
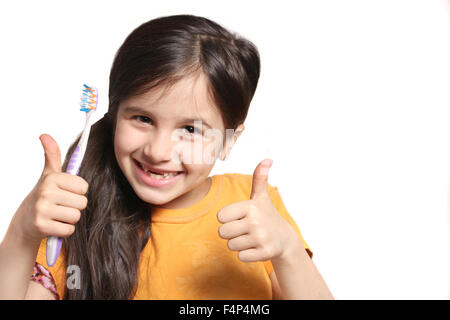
(53, 248)
(54, 243)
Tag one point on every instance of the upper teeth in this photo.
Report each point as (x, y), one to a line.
(165, 174)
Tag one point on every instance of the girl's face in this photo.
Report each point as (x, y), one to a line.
(178, 130)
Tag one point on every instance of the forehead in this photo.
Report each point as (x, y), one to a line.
(187, 98)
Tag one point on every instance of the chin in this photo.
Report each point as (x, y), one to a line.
(157, 201)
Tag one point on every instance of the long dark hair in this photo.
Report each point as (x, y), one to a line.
(115, 226)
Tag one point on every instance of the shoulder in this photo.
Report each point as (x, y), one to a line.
(237, 179)
(240, 183)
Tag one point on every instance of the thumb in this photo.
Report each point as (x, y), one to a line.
(52, 154)
(260, 179)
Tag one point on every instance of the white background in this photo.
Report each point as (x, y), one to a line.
(352, 105)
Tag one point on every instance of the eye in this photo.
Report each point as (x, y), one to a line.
(143, 118)
(192, 130)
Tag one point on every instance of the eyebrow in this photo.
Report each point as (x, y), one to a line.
(131, 109)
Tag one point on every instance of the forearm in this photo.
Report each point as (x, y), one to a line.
(17, 259)
(297, 275)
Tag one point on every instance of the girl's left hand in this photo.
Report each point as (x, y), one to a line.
(253, 227)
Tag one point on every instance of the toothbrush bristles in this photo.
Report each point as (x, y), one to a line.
(88, 98)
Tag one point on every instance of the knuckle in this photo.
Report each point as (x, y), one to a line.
(265, 253)
(37, 223)
(45, 194)
(261, 236)
(47, 177)
(39, 207)
(41, 226)
(51, 177)
(252, 211)
(251, 207)
(253, 222)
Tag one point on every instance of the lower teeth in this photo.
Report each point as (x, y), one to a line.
(159, 176)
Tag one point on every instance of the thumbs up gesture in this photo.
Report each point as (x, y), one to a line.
(253, 227)
(53, 207)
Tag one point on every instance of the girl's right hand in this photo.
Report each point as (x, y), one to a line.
(54, 205)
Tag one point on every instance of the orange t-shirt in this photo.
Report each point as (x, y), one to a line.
(186, 259)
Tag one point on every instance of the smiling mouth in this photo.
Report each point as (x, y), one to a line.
(157, 175)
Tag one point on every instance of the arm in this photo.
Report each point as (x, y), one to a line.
(17, 259)
(37, 292)
(296, 277)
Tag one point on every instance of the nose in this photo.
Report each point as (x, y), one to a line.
(160, 147)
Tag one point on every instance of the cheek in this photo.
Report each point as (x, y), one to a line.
(119, 141)
(198, 171)
(125, 141)
(213, 144)
(211, 152)
(202, 151)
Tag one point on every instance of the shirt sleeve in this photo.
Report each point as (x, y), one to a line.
(279, 206)
(42, 276)
(57, 273)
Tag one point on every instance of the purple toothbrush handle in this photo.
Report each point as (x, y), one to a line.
(53, 249)
(75, 161)
(54, 243)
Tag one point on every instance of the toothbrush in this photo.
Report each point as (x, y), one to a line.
(89, 99)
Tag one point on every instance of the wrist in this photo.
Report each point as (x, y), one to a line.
(15, 238)
(291, 250)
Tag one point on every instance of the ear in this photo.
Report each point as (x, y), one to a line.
(230, 141)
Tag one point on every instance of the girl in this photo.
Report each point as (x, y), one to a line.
(156, 226)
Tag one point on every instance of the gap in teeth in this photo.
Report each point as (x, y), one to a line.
(157, 175)
(160, 176)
